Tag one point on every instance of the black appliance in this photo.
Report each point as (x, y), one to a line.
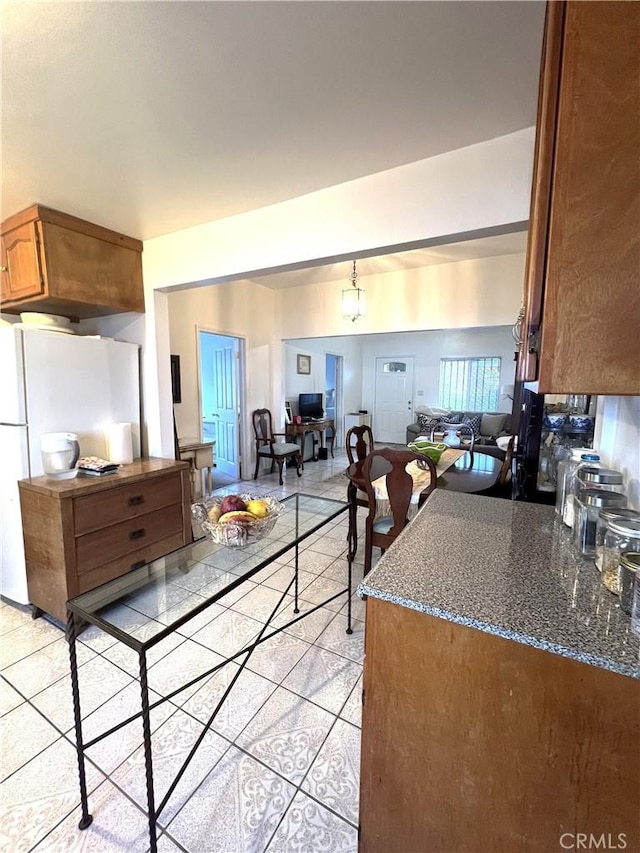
(545, 433)
(310, 406)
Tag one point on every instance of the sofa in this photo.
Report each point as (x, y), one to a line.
(487, 426)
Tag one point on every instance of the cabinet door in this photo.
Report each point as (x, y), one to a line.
(541, 190)
(21, 270)
(590, 332)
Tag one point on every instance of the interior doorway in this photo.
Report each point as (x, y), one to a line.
(333, 393)
(393, 398)
(220, 399)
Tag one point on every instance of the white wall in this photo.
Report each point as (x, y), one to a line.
(617, 440)
(243, 310)
(483, 186)
(465, 294)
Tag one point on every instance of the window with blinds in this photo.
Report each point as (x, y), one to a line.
(470, 384)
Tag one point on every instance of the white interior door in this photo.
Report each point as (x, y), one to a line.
(393, 409)
(219, 369)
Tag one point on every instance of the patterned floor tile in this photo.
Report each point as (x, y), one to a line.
(352, 711)
(109, 753)
(9, 698)
(99, 680)
(228, 633)
(30, 636)
(311, 561)
(281, 578)
(12, 617)
(194, 625)
(323, 588)
(23, 734)
(171, 744)
(323, 677)
(187, 661)
(334, 775)
(333, 547)
(276, 657)
(260, 602)
(310, 627)
(117, 827)
(127, 659)
(310, 828)
(44, 667)
(250, 802)
(335, 638)
(41, 794)
(286, 734)
(246, 697)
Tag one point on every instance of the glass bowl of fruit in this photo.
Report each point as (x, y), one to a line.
(236, 520)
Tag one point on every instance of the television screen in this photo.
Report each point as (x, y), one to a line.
(310, 406)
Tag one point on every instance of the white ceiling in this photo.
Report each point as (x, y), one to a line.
(149, 117)
(485, 247)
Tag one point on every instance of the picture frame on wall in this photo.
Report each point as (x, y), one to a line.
(304, 363)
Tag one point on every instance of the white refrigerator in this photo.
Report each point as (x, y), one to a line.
(55, 382)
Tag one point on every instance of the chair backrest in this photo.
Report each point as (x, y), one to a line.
(262, 426)
(392, 463)
(505, 470)
(360, 440)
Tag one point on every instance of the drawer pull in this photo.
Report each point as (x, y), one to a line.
(137, 534)
(137, 565)
(136, 500)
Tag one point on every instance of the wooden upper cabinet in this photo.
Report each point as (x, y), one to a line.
(582, 302)
(63, 265)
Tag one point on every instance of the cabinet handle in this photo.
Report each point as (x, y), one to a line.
(137, 534)
(136, 501)
(4, 269)
(137, 565)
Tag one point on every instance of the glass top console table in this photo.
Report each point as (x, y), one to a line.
(153, 601)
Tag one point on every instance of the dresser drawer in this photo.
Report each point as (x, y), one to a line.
(119, 540)
(89, 580)
(93, 512)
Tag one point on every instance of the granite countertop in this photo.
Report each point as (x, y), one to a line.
(507, 568)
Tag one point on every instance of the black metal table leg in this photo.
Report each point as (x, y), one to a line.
(296, 609)
(148, 760)
(86, 819)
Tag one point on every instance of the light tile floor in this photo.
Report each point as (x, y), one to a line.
(279, 769)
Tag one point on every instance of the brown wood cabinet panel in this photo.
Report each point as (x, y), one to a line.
(22, 274)
(118, 540)
(96, 511)
(582, 304)
(90, 580)
(474, 743)
(64, 560)
(86, 270)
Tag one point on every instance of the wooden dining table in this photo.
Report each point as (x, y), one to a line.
(471, 473)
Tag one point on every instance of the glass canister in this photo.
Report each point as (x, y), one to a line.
(629, 568)
(607, 515)
(587, 506)
(622, 535)
(565, 476)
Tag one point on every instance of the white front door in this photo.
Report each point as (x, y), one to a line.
(393, 410)
(219, 367)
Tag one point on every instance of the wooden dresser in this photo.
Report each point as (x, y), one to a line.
(83, 532)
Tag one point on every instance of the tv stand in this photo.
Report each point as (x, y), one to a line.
(297, 432)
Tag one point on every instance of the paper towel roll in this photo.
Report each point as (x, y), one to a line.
(119, 443)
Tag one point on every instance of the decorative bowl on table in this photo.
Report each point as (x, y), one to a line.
(225, 522)
(432, 449)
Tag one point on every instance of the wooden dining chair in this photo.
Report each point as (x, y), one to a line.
(381, 532)
(359, 443)
(502, 486)
(268, 448)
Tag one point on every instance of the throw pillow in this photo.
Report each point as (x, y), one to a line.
(474, 422)
(492, 424)
(453, 418)
(432, 411)
(426, 423)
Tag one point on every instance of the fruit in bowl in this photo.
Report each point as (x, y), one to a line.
(236, 520)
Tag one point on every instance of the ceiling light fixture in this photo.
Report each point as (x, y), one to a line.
(353, 299)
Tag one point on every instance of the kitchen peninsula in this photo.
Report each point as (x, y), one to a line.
(501, 690)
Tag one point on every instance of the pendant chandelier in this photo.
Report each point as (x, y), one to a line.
(353, 299)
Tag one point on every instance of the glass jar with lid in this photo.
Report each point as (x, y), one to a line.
(622, 534)
(565, 476)
(587, 506)
(607, 515)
